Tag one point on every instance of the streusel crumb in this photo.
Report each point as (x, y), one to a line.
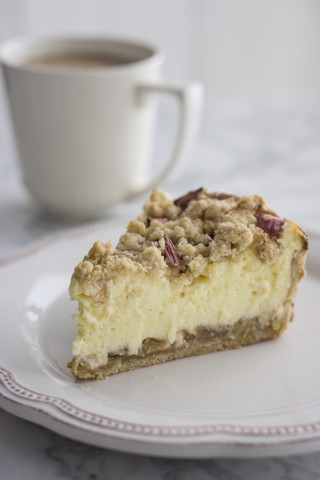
(182, 236)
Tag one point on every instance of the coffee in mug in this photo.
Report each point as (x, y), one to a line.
(76, 60)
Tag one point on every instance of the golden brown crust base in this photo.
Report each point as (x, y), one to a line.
(204, 341)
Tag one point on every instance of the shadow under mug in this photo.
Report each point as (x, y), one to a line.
(85, 135)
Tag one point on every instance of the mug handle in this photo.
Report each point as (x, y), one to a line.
(190, 98)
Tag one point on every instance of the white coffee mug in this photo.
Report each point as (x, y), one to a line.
(85, 135)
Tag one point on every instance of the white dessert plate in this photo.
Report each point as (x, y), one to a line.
(262, 400)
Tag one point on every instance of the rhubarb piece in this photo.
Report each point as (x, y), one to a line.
(269, 223)
(160, 219)
(184, 201)
(171, 254)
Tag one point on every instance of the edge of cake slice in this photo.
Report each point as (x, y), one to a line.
(202, 273)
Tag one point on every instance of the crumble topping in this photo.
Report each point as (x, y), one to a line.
(182, 236)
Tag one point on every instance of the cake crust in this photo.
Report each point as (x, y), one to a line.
(153, 352)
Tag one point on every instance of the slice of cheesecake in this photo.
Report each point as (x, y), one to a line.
(205, 272)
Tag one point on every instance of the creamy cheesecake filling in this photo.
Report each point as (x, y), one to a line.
(147, 304)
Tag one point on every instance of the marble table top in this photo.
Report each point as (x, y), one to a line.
(28, 452)
(242, 149)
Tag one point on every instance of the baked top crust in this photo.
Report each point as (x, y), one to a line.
(182, 236)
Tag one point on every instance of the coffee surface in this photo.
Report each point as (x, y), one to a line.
(77, 61)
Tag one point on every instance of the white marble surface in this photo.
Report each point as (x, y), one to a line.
(242, 149)
(30, 452)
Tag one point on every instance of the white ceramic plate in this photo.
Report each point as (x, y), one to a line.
(258, 401)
